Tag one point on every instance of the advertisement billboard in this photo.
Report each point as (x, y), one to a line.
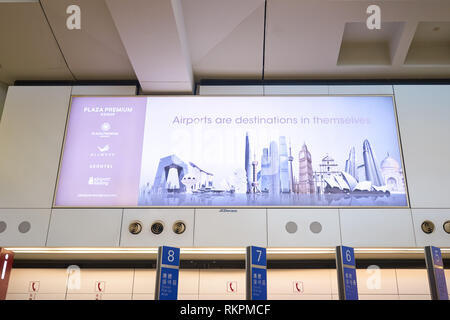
(296, 151)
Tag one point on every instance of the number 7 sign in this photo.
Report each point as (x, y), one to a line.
(256, 273)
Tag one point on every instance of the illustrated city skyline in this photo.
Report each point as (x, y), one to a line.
(274, 172)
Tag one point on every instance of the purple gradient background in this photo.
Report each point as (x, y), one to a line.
(80, 144)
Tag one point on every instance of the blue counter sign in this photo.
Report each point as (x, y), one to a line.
(167, 273)
(346, 270)
(256, 269)
(436, 273)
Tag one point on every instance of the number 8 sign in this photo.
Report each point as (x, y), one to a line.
(170, 256)
(167, 272)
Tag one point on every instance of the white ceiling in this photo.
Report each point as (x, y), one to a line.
(169, 44)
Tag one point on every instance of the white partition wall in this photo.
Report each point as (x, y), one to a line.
(303, 228)
(212, 284)
(230, 228)
(24, 227)
(31, 137)
(423, 116)
(377, 227)
(85, 228)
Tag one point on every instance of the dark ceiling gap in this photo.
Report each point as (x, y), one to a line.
(264, 40)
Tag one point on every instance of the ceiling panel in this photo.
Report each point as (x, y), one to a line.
(95, 52)
(153, 34)
(28, 49)
(163, 42)
(225, 38)
(304, 39)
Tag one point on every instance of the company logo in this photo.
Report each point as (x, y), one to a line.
(106, 126)
(103, 149)
(103, 152)
(99, 181)
(228, 210)
(105, 131)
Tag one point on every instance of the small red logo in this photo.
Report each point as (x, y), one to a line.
(232, 286)
(298, 287)
(100, 286)
(34, 286)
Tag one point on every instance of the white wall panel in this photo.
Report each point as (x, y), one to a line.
(377, 227)
(36, 221)
(423, 116)
(415, 297)
(39, 281)
(31, 135)
(215, 284)
(439, 237)
(334, 282)
(231, 90)
(327, 221)
(36, 296)
(377, 282)
(144, 282)
(378, 297)
(98, 296)
(188, 283)
(168, 217)
(301, 282)
(299, 297)
(274, 90)
(362, 89)
(447, 277)
(143, 296)
(230, 229)
(85, 228)
(220, 297)
(105, 281)
(412, 281)
(104, 90)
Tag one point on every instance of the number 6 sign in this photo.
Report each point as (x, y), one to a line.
(346, 272)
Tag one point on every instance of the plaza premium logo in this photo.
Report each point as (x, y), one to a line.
(105, 131)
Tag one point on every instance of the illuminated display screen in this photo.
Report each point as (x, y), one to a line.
(338, 151)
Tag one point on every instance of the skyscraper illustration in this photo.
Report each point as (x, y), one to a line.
(248, 163)
(177, 169)
(371, 168)
(255, 188)
(306, 180)
(291, 172)
(350, 164)
(274, 168)
(284, 166)
(265, 171)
